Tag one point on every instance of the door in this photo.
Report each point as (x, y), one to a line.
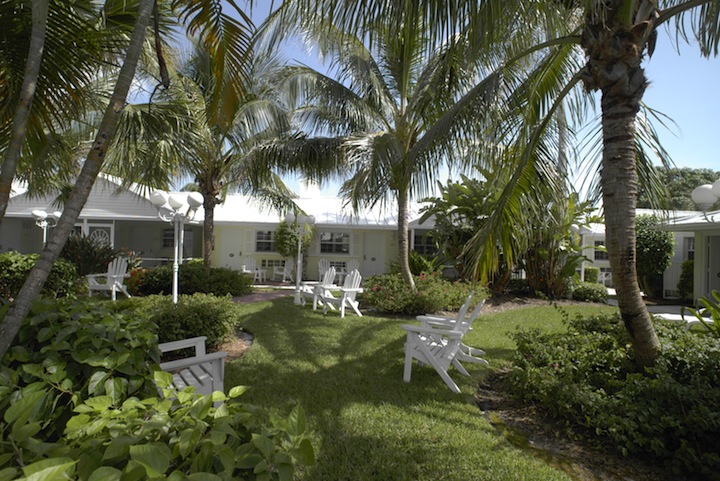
(373, 258)
(713, 264)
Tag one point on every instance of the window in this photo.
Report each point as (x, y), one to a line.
(272, 263)
(605, 277)
(265, 241)
(338, 265)
(168, 237)
(335, 243)
(600, 255)
(689, 248)
(423, 243)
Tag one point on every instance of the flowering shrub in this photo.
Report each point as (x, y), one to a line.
(389, 293)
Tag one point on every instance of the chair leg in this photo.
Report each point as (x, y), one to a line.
(408, 360)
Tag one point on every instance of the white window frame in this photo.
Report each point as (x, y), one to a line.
(270, 244)
(603, 254)
(345, 245)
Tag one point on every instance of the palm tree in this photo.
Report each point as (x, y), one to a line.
(202, 17)
(614, 37)
(386, 107)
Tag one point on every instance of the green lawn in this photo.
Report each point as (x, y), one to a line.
(365, 422)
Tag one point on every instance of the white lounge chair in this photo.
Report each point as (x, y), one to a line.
(206, 372)
(316, 290)
(323, 266)
(348, 292)
(350, 266)
(113, 280)
(459, 323)
(250, 267)
(284, 271)
(436, 347)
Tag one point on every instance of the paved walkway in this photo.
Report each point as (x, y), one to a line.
(264, 295)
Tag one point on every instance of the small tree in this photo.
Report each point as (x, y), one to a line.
(654, 250)
(686, 284)
(286, 239)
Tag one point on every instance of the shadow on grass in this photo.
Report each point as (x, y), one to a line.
(367, 423)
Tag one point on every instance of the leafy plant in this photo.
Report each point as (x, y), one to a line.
(90, 256)
(587, 377)
(592, 274)
(709, 311)
(590, 292)
(63, 280)
(654, 250)
(389, 293)
(192, 316)
(79, 399)
(192, 278)
(686, 284)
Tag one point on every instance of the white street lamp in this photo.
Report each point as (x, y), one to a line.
(302, 220)
(45, 221)
(170, 209)
(706, 195)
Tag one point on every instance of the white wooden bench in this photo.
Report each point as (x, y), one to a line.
(206, 372)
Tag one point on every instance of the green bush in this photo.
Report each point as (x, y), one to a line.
(586, 376)
(63, 280)
(192, 278)
(192, 316)
(90, 256)
(79, 399)
(419, 264)
(389, 293)
(592, 274)
(590, 292)
(518, 287)
(686, 284)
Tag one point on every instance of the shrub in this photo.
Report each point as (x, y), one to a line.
(62, 281)
(192, 278)
(192, 316)
(389, 293)
(79, 400)
(586, 376)
(590, 292)
(89, 255)
(686, 284)
(518, 287)
(592, 274)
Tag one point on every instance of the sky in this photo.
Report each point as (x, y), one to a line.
(684, 86)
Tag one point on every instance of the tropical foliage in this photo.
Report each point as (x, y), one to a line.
(655, 249)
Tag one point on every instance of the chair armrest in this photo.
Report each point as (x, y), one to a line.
(192, 361)
(197, 342)
(442, 332)
(93, 276)
(359, 289)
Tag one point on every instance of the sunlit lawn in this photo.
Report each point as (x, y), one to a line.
(366, 423)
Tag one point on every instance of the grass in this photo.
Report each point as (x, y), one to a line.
(365, 422)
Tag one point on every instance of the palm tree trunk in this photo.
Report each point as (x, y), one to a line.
(403, 239)
(619, 186)
(208, 227)
(27, 94)
(11, 323)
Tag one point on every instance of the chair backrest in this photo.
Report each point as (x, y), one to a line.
(288, 267)
(328, 277)
(323, 266)
(352, 265)
(117, 267)
(352, 281)
(464, 308)
(250, 263)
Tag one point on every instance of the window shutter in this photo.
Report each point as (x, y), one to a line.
(249, 247)
(355, 244)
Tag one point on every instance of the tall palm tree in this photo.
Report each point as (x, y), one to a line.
(614, 37)
(386, 106)
(202, 17)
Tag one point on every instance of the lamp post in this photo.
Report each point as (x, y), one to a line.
(302, 220)
(706, 195)
(45, 221)
(170, 208)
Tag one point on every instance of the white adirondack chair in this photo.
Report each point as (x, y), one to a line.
(206, 372)
(316, 290)
(458, 323)
(284, 271)
(251, 268)
(436, 347)
(348, 292)
(113, 280)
